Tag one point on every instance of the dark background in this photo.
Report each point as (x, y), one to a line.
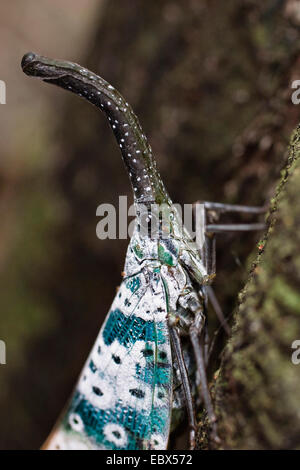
(211, 84)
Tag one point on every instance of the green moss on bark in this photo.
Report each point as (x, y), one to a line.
(257, 392)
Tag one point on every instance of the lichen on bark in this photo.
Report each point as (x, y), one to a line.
(257, 388)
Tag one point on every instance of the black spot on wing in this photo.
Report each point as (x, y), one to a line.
(97, 391)
(147, 352)
(136, 392)
(116, 359)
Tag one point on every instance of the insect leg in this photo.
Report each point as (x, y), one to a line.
(206, 217)
(206, 344)
(222, 208)
(219, 228)
(210, 252)
(210, 264)
(218, 309)
(197, 337)
(197, 340)
(207, 249)
(175, 338)
(213, 211)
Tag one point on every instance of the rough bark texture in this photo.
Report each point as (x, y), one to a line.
(257, 389)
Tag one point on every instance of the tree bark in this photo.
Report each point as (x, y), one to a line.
(257, 388)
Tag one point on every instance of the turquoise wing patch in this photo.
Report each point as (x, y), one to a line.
(124, 395)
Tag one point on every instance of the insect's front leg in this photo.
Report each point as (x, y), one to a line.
(207, 216)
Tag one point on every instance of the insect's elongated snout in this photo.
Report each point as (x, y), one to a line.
(137, 154)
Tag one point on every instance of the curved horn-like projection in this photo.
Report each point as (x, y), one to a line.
(137, 155)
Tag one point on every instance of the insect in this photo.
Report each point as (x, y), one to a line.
(153, 343)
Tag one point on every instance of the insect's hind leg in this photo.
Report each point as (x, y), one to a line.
(197, 339)
(175, 338)
(196, 332)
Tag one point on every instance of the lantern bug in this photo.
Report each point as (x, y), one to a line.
(152, 344)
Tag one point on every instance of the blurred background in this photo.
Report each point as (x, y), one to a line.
(211, 84)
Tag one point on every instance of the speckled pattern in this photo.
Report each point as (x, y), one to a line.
(124, 397)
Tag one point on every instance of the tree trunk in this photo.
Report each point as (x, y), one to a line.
(257, 389)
